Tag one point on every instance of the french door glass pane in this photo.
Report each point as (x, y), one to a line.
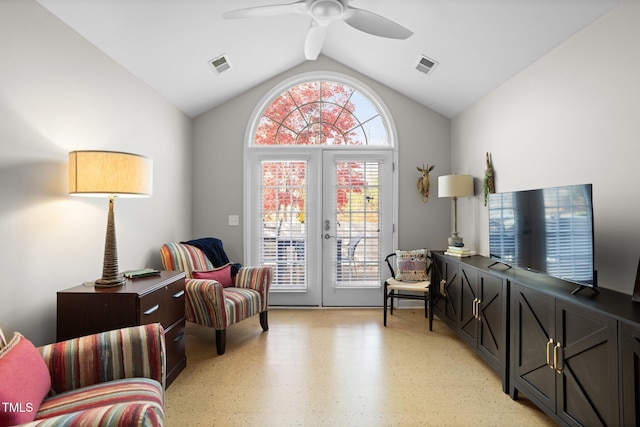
(357, 219)
(284, 234)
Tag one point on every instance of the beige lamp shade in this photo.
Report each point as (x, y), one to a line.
(104, 173)
(455, 186)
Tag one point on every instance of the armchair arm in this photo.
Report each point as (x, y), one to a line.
(119, 414)
(258, 278)
(204, 303)
(135, 352)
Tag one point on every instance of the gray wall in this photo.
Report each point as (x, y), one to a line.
(572, 117)
(218, 148)
(59, 93)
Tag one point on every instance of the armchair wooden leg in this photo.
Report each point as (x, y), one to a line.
(221, 340)
(263, 321)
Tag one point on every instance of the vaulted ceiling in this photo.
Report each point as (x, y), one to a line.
(477, 44)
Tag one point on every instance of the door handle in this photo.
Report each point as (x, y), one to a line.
(328, 236)
(557, 360)
(549, 345)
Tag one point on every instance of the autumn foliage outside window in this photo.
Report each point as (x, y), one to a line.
(321, 113)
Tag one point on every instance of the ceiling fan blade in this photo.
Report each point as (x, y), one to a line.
(375, 24)
(272, 10)
(315, 40)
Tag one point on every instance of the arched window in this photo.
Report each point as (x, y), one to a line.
(321, 112)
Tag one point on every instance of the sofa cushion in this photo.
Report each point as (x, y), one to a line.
(221, 275)
(411, 266)
(24, 381)
(138, 390)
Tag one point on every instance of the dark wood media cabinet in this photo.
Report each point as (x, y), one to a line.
(577, 357)
(85, 310)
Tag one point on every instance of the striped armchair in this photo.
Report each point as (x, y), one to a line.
(114, 378)
(207, 302)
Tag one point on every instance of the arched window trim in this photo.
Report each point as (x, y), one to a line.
(370, 94)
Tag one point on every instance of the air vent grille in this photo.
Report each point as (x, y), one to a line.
(426, 65)
(220, 64)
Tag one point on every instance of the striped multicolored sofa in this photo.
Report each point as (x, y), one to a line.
(113, 378)
(210, 304)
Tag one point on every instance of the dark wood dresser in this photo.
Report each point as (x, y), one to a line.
(84, 310)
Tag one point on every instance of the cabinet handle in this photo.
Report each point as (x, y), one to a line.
(556, 359)
(478, 310)
(443, 289)
(179, 294)
(549, 345)
(152, 309)
(179, 337)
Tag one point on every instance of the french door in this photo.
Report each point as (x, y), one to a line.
(323, 220)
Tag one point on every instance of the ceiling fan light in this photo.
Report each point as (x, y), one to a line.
(326, 9)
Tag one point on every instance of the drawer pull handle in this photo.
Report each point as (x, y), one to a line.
(549, 345)
(557, 360)
(152, 309)
(179, 337)
(179, 294)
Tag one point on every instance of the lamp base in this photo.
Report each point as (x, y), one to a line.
(456, 241)
(110, 283)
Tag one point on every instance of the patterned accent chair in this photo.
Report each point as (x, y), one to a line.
(113, 378)
(207, 302)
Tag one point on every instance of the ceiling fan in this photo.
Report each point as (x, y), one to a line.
(322, 13)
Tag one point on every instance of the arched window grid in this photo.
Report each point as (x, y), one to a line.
(319, 107)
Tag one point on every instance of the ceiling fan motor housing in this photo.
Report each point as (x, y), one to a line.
(326, 9)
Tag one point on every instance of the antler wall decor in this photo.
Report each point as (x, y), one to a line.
(489, 186)
(423, 181)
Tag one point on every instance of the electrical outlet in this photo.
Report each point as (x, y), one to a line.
(234, 220)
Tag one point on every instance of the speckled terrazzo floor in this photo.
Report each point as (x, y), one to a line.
(340, 367)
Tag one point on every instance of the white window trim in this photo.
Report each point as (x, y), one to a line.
(251, 152)
(277, 90)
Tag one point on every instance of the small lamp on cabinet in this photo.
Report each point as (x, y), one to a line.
(455, 186)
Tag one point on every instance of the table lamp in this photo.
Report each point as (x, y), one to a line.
(110, 174)
(455, 186)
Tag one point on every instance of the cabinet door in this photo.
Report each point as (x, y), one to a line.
(469, 293)
(446, 302)
(630, 348)
(532, 326)
(492, 322)
(587, 388)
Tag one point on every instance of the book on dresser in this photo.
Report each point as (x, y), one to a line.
(459, 252)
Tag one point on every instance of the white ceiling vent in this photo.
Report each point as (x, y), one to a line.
(426, 65)
(220, 64)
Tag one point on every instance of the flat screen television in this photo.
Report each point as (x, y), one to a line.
(547, 230)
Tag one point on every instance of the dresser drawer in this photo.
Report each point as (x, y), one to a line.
(164, 305)
(175, 344)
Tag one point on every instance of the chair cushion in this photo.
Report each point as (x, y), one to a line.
(221, 275)
(138, 390)
(241, 303)
(411, 265)
(397, 285)
(24, 381)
